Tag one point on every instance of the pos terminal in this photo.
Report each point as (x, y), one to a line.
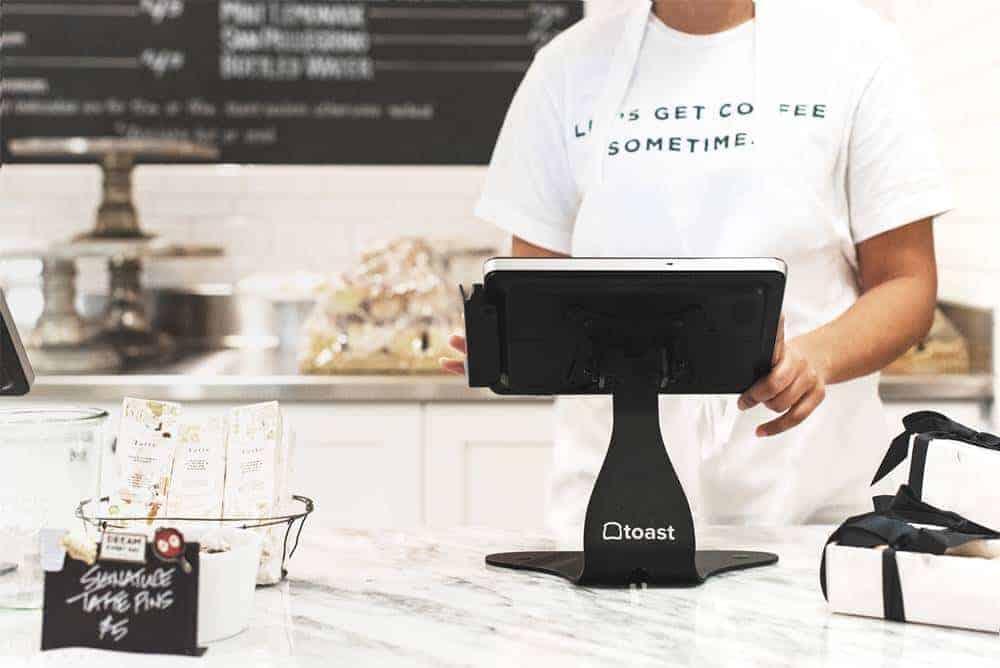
(16, 374)
(634, 329)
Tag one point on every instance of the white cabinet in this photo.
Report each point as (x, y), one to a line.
(361, 463)
(487, 464)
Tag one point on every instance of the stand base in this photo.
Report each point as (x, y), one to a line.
(638, 527)
(569, 565)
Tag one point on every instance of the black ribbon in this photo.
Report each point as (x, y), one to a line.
(931, 425)
(892, 588)
(891, 524)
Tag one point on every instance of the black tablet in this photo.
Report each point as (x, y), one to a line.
(16, 374)
(547, 326)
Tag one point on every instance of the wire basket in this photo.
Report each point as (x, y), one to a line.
(102, 523)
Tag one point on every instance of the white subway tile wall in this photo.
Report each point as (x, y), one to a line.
(955, 47)
(273, 219)
(268, 219)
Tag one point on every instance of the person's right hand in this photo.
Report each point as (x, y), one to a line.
(455, 366)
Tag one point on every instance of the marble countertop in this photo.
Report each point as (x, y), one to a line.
(384, 598)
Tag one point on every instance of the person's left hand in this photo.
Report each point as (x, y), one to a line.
(794, 388)
(457, 367)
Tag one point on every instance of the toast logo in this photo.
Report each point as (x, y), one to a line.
(619, 531)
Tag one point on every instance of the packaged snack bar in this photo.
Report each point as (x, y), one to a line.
(199, 469)
(146, 443)
(257, 476)
(252, 459)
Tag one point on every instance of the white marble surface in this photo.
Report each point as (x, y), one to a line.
(391, 598)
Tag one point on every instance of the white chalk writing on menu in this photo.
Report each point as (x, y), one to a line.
(108, 592)
(378, 82)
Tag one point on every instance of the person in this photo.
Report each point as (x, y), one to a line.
(785, 128)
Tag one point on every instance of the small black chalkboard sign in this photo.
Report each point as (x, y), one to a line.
(128, 607)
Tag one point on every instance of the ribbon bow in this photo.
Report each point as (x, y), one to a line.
(892, 525)
(934, 424)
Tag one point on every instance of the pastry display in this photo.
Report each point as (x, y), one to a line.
(391, 314)
(943, 351)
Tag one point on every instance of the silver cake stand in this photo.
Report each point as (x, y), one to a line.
(63, 342)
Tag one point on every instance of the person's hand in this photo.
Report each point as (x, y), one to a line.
(452, 365)
(794, 388)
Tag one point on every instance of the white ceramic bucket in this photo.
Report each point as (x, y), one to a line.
(226, 584)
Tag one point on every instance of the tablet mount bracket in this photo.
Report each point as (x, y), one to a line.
(638, 526)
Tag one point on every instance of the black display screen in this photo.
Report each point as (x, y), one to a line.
(573, 332)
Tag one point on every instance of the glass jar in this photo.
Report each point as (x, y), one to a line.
(50, 460)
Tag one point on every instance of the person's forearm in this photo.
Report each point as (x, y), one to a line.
(883, 324)
(521, 248)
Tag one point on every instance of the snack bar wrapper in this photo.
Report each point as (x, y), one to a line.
(257, 477)
(199, 469)
(146, 443)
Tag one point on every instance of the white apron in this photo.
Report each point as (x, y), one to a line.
(819, 471)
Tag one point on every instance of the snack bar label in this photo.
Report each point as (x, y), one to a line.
(124, 547)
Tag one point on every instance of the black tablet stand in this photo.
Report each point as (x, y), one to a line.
(16, 374)
(638, 527)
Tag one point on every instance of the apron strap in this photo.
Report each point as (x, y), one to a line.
(620, 73)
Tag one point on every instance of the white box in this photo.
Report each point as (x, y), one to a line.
(943, 590)
(957, 476)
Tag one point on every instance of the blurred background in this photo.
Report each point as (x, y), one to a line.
(330, 286)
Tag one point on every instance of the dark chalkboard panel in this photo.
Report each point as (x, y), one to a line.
(149, 608)
(276, 81)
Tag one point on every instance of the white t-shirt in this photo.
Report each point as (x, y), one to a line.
(797, 135)
(690, 100)
(844, 104)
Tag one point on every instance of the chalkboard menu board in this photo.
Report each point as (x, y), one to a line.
(275, 81)
(150, 608)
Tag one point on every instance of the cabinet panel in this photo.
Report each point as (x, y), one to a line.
(360, 463)
(488, 464)
(505, 483)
